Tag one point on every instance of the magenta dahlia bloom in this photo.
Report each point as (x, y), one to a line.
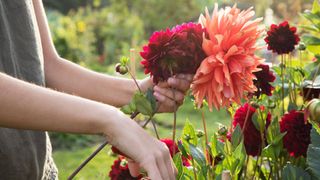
(252, 137)
(264, 78)
(120, 170)
(173, 51)
(282, 38)
(297, 139)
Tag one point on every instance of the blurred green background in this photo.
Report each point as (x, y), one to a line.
(96, 33)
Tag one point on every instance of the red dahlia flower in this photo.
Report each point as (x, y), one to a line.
(169, 144)
(264, 77)
(297, 139)
(174, 51)
(120, 170)
(282, 38)
(252, 137)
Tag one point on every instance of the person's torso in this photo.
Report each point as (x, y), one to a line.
(23, 153)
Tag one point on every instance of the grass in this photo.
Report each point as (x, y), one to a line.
(98, 168)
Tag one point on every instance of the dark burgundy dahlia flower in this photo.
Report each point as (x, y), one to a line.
(282, 38)
(297, 139)
(252, 137)
(120, 170)
(264, 78)
(173, 51)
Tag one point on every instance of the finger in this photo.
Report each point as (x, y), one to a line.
(169, 163)
(170, 93)
(188, 77)
(165, 101)
(163, 84)
(134, 168)
(153, 171)
(180, 84)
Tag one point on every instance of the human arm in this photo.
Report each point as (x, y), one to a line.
(27, 106)
(68, 77)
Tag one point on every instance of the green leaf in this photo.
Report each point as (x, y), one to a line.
(291, 172)
(126, 109)
(255, 121)
(313, 154)
(199, 157)
(188, 131)
(311, 40)
(179, 165)
(214, 149)
(152, 100)
(182, 149)
(315, 7)
(236, 136)
(142, 104)
(278, 138)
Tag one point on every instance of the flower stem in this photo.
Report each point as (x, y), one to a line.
(282, 82)
(134, 79)
(205, 133)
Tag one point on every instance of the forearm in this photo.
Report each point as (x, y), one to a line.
(71, 78)
(28, 106)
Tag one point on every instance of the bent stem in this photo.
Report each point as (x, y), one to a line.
(174, 121)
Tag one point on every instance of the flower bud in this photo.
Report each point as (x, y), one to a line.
(121, 69)
(302, 47)
(117, 67)
(200, 133)
(223, 131)
(187, 137)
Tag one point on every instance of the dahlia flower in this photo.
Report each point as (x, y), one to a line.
(173, 51)
(120, 170)
(227, 71)
(264, 77)
(297, 139)
(282, 38)
(252, 137)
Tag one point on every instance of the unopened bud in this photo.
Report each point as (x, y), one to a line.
(200, 133)
(223, 131)
(302, 47)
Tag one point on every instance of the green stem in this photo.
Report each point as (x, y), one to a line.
(282, 82)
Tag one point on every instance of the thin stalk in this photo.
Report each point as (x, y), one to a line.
(246, 167)
(282, 82)
(205, 133)
(135, 81)
(155, 129)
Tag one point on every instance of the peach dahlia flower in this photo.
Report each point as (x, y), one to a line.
(226, 73)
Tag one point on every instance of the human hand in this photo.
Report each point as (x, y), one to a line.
(149, 153)
(170, 94)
